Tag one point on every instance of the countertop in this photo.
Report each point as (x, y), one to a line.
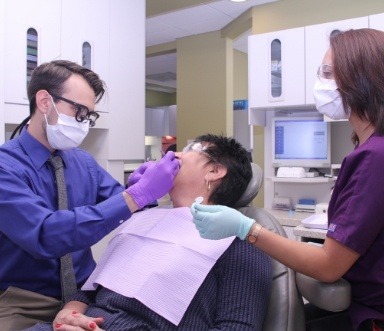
(302, 231)
(293, 219)
(289, 218)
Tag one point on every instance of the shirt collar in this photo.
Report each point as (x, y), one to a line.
(37, 152)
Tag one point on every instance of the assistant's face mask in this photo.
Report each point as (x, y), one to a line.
(328, 100)
(67, 133)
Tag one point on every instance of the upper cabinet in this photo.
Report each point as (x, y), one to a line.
(376, 21)
(106, 36)
(317, 43)
(32, 36)
(161, 121)
(276, 69)
(154, 122)
(282, 65)
(85, 37)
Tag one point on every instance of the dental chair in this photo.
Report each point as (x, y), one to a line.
(286, 307)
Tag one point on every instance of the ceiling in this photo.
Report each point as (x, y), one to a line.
(177, 19)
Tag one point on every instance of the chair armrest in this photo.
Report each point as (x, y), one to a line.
(328, 296)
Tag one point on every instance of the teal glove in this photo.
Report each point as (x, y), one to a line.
(218, 222)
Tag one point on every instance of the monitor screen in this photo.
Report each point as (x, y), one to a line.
(301, 142)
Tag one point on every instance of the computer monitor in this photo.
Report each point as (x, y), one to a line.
(301, 142)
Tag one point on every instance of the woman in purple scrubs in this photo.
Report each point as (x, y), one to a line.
(350, 86)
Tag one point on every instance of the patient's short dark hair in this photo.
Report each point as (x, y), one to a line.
(232, 155)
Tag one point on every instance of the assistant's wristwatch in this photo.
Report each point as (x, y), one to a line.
(253, 233)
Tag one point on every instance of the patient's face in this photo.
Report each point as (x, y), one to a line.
(190, 181)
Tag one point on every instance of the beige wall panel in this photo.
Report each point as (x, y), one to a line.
(204, 86)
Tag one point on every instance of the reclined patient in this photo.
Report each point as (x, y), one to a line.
(157, 273)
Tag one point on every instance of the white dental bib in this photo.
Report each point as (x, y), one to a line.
(158, 258)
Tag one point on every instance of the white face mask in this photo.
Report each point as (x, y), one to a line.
(67, 133)
(328, 100)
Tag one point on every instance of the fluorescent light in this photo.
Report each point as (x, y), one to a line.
(238, 0)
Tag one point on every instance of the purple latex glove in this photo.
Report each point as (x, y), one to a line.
(156, 181)
(135, 176)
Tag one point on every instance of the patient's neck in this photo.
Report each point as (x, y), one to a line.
(187, 201)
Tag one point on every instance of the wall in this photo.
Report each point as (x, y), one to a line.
(158, 99)
(240, 75)
(204, 86)
(240, 92)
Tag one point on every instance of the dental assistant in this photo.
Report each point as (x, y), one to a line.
(34, 234)
(349, 86)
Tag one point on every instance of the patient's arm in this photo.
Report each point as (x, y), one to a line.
(72, 314)
(245, 284)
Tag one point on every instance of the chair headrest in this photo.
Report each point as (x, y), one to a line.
(252, 188)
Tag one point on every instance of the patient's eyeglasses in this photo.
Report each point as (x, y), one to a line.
(82, 112)
(195, 146)
(198, 147)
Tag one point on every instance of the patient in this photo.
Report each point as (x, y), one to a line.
(157, 273)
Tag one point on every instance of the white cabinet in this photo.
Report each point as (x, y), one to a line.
(276, 69)
(302, 51)
(88, 25)
(317, 188)
(161, 121)
(317, 43)
(115, 31)
(376, 21)
(41, 15)
(170, 121)
(126, 90)
(154, 122)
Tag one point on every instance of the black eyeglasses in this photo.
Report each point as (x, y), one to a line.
(82, 112)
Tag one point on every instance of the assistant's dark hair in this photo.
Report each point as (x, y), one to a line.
(358, 64)
(232, 155)
(51, 76)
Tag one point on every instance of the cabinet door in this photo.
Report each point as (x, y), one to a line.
(317, 43)
(154, 122)
(85, 37)
(20, 15)
(276, 69)
(172, 124)
(376, 21)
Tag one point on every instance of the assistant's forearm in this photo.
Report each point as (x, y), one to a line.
(314, 261)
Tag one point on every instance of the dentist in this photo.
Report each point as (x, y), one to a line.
(34, 234)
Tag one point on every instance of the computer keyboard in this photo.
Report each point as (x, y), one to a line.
(291, 172)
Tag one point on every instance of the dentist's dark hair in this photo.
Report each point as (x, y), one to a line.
(51, 77)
